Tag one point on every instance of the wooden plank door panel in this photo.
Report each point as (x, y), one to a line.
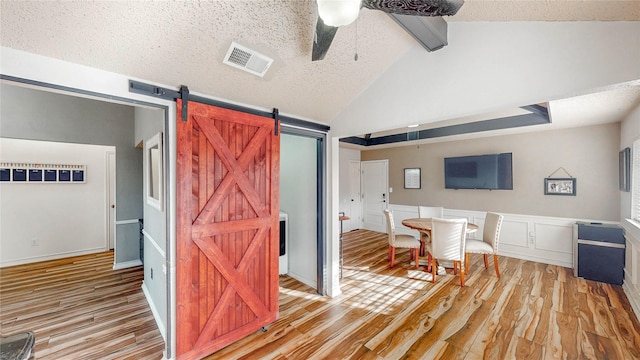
(227, 227)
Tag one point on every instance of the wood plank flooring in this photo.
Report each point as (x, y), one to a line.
(80, 308)
(534, 311)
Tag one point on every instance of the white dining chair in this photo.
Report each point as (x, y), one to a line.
(400, 241)
(447, 243)
(489, 243)
(430, 211)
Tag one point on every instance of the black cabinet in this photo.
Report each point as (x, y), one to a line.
(599, 252)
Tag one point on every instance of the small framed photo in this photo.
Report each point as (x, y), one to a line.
(412, 178)
(560, 186)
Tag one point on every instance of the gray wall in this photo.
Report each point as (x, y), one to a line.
(148, 123)
(590, 154)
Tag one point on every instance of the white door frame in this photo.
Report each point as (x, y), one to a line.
(355, 197)
(111, 199)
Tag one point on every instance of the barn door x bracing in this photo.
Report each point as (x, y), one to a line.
(227, 227)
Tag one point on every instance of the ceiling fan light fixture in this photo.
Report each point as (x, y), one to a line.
(338, 12)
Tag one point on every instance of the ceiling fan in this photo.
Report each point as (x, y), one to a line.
(335, 13)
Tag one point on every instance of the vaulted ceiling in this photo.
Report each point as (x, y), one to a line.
(183, 43)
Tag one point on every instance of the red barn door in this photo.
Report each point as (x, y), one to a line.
(227, 207)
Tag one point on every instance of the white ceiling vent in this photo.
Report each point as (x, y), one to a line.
(246, 59)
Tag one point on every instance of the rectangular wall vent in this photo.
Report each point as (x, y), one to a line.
(246, 59)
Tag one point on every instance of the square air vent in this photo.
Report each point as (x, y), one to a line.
(246, 59)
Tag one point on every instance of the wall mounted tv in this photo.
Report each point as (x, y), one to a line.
(491, 172)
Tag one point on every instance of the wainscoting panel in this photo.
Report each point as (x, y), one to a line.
(631, 284)
(554, 237)
(401, 212)
(514, 233)
(537, 238)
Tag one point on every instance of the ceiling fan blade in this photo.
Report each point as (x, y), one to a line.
(415, 7)
(322, 39)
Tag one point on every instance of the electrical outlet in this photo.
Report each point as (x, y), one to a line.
(35, 242)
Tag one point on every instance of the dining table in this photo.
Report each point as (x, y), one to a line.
(423, 225)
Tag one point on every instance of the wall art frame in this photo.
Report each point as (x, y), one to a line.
(412, 178)
(560, 186)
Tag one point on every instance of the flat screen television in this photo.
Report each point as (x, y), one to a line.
(493, 172)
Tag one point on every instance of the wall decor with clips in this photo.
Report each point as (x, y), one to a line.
(17, 172)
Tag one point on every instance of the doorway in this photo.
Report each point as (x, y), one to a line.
(298, 174)
(66, 115)
(375, 196)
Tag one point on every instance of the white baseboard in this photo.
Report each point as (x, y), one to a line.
(302, 279)
(536, 259)
(127, 264)
(154, 311)
(51, 257)
(633, 299)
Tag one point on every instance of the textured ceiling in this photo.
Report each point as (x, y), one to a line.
(183, 43)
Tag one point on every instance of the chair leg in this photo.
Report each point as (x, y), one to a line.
(416, 251)
(461, 275)
(486, 261)
(456, 264)
(495, 264)
(434, 268)
(429, 258)
(392, 255)
(389, 254)
(466, 262)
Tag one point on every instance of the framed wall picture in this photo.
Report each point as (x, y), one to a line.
(560, 186)
(412, 178)
(19, 175)
(154, 171)
(5, 174)
(64, 175)
(50, 175)
(77, 175)
(35, 175)
(624, 169)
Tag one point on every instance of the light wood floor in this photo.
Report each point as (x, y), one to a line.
(82, 310)
(534, 311)
(79, 308)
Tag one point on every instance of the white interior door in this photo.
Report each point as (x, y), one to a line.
(355, 197)
(111, 198)
(375, 179)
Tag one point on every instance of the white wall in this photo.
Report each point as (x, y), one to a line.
(493, 66)
(298, 181)
(630, 132)
(64, 219)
